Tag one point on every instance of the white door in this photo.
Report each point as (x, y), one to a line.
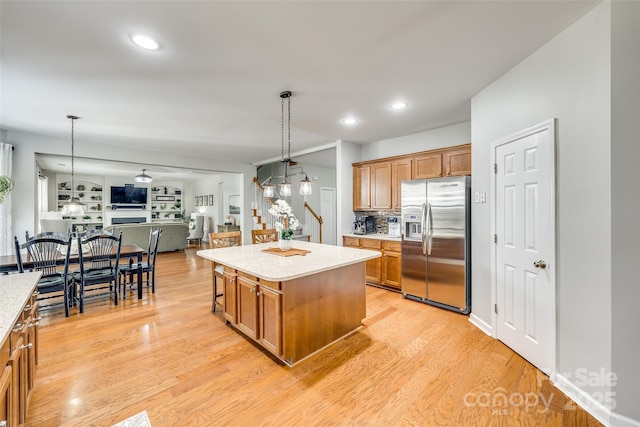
(328, 214)
(524, 224)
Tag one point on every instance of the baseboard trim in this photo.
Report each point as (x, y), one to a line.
(481, 324)
(592, 406)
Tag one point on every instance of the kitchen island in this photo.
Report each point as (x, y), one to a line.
(293, 306)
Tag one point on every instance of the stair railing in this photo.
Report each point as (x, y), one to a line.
(313, 222)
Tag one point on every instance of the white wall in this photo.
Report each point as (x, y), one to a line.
(569, 79)
(625, 186)
(346, 154)
(207, 186)
(443, 137)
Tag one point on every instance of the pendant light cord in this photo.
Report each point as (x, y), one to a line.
(73, 119)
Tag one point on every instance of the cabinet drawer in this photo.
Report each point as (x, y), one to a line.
(351, 241)
(276, 286)
(249, 277)
(4, 354)
(370, 244)
(391, 246)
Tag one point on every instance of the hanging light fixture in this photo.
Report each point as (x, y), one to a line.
(285, 188)
(143, 177)
(73, 207)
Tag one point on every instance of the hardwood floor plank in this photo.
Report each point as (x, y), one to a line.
(411, 364)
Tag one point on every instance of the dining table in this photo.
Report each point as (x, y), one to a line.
(9, 263)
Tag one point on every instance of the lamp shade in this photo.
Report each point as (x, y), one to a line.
(268, 190)
(73, 208)
(285, 189)
(305, 186)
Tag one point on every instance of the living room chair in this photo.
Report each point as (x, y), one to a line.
(148, 267)
(264, 236)
(98, 265)
(197, 233)
(45, 253)
(221, 240)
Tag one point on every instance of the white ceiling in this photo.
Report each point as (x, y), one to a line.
(213, 87)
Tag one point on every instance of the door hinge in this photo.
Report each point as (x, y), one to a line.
(495, 308)
(495, 238)
(495, 168)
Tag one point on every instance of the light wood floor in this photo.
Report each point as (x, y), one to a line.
(412, 364)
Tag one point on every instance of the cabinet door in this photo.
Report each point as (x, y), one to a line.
(248, 307)
(270, 320)
(7, 413)
(391, 274)
(361, 188)
(351, 242)
(19, 370)
(427, 166)
(400, 170)
(373, 267)
(229, 298)
(381, 185)
(457, 162)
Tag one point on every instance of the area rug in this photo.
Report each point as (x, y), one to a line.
(138, 420)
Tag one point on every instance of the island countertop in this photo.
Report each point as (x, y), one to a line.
(252, 260)
(15, 291)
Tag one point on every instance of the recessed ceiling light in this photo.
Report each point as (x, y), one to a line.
(349, 121)
(144, 41)
(399, 105)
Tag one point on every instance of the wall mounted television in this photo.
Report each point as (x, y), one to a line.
(128, 195)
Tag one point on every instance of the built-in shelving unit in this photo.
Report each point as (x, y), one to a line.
(88, 190)
(166, 203)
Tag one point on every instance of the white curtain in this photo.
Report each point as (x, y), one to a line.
(6, 240)
(43, 198)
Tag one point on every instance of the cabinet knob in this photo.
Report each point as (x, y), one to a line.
(18, 327)
(28, 307)
(26, 346)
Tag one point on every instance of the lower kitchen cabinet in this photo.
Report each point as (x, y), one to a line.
(7, 405)
(385, 270)
(229, 297)
(259, 313)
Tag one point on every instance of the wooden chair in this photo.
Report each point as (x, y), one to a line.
(221, 240)
(44, 252)
(148, 267)
(264, 236)
(99, 265)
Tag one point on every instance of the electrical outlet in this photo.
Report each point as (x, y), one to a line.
(483, 197)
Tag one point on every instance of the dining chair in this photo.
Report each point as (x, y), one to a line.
(221, 240)
(99, 260)
(197, 232)
(148, 267)
(45, 253)
(264, 236)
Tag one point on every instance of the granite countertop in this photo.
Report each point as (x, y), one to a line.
(377, 236)
(15, 291)
(252, 260)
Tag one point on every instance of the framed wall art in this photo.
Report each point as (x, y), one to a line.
(234, 204)
(206, 200)
(196, 202)
(210, 199)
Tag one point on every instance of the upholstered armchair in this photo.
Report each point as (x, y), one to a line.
(196, 229)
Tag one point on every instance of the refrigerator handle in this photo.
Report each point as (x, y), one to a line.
(429, 227)
(423, 239)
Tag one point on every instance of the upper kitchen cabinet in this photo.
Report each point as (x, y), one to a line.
(428, 165)
(361, 188)
(457, 162)
(400, 170)
(376, 183)
(381, 185)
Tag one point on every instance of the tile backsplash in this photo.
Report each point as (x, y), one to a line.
(381, 218)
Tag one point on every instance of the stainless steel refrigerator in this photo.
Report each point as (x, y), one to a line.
(436, 242)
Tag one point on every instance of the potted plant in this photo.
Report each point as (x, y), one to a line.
(6, 185)
(86, 217)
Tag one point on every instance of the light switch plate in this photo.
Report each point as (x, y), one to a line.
(476, 197)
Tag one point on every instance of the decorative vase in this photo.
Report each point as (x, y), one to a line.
(284, 244)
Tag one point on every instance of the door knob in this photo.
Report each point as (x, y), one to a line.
(540, 264)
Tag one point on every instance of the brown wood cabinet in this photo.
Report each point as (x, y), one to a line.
(270, 312)
(400, 170)
(377, 183)
(380, 271)
(248, 306)
(361, 188)
(229, 297)
(457, 162)
(381, 185)
(7, 410)
(427, 165)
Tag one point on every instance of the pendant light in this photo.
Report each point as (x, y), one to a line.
(143, 177)
(285, 188)
(73, 207)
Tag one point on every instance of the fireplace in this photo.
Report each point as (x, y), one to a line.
(128, 220)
